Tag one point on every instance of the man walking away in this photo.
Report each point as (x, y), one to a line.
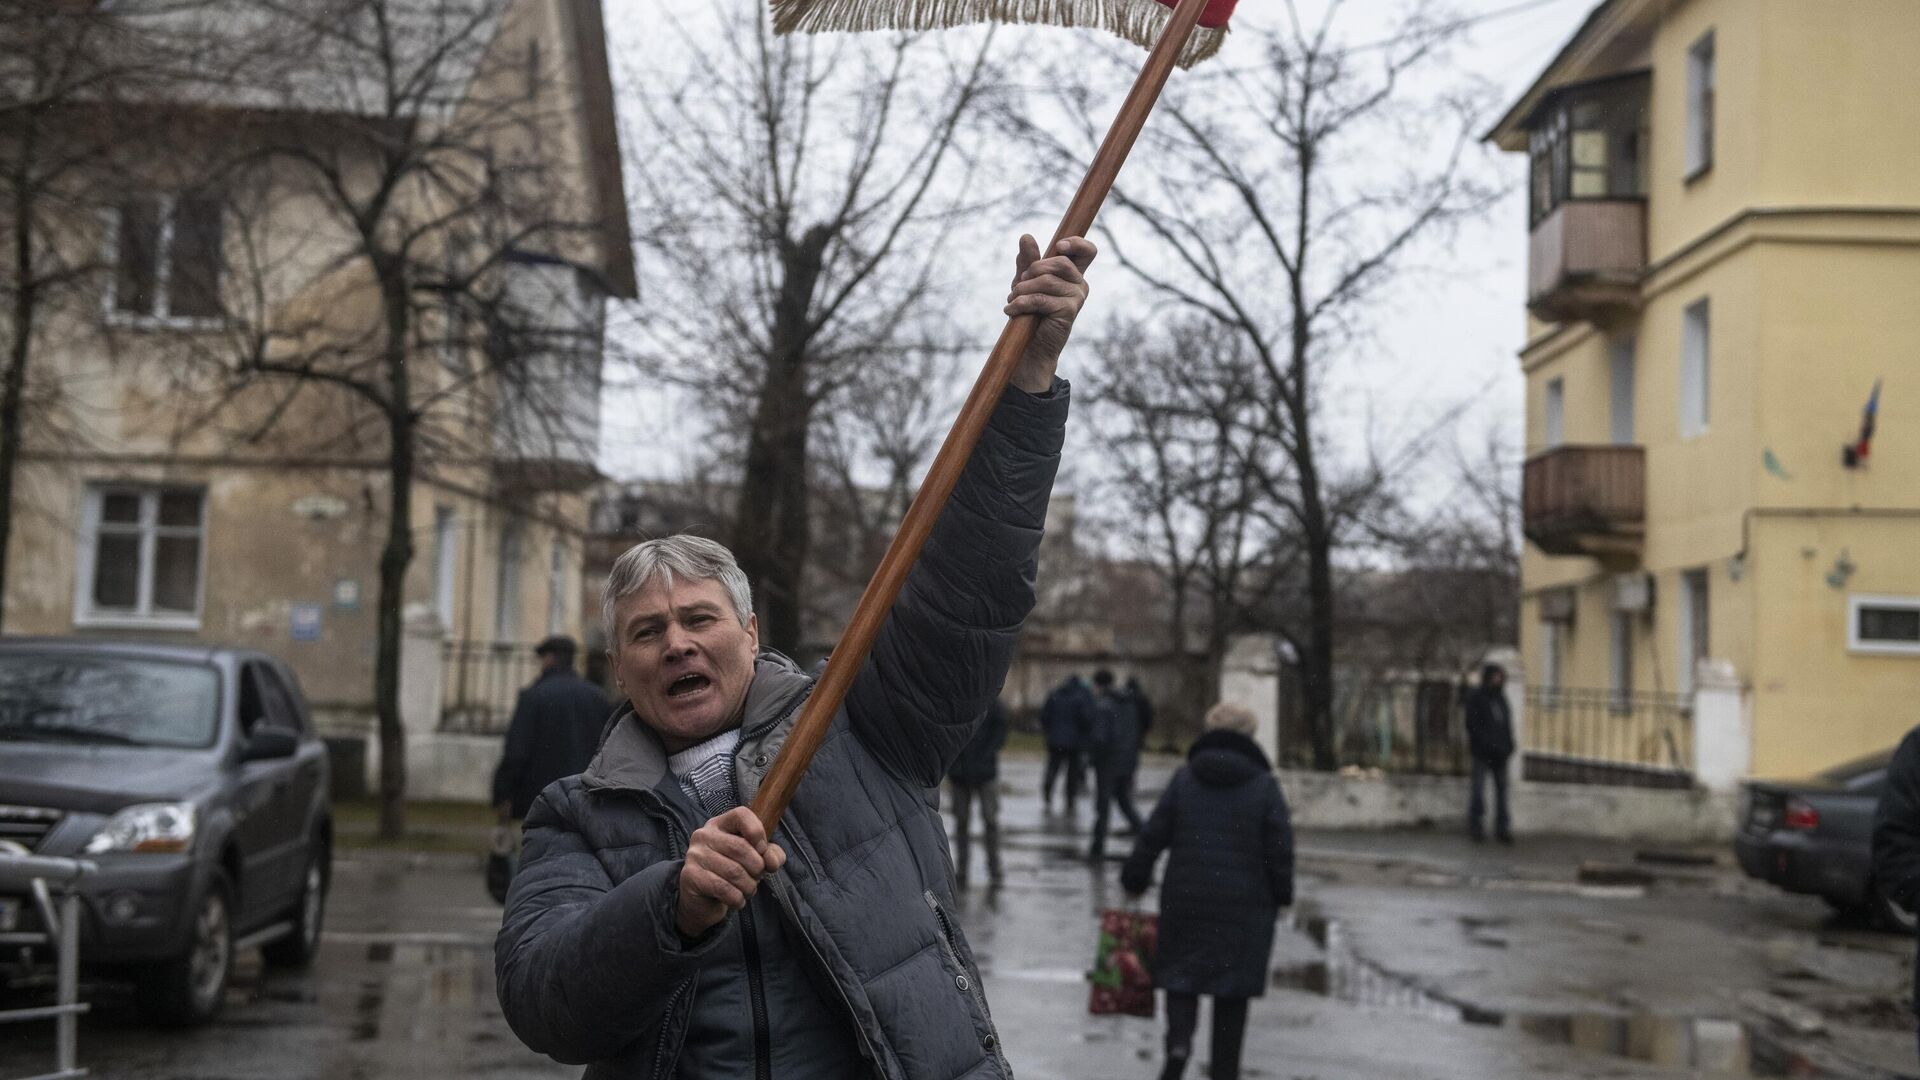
(1896, 831)
(1115, 754)
(1490, 741)
(975, 777)
(1142, 706)
(554, 732)
(1064, 721)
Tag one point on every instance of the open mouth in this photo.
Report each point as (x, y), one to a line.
(688, 684)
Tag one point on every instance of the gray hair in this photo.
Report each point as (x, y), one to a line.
(694, 558)
(1231, 717)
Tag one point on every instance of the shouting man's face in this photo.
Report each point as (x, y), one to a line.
(683, 659)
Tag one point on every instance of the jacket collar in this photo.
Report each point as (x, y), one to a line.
(632, 756)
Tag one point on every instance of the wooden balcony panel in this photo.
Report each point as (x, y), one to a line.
(1584, 259)
(1586, 500)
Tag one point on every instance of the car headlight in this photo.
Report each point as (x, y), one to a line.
(162, 827)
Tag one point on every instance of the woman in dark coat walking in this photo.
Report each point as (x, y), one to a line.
(1229, 873)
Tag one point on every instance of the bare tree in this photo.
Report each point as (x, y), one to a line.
(69, 74)
(795, 193)
(407, 277)
(1281, 199)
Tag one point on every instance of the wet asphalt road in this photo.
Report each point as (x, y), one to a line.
(1410, 956)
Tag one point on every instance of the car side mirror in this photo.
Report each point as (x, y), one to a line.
(270, 742)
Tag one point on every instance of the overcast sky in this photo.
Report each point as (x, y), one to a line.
(1449, 332)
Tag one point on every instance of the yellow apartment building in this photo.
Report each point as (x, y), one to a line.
(130, 525)
(1724, 271)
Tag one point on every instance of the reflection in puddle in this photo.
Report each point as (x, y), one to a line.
(1711, 1046)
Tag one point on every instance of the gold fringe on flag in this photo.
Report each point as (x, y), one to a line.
(1139, 21)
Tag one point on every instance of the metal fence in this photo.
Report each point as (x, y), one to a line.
(479, 681)
(1395, 724)
(1606, 737)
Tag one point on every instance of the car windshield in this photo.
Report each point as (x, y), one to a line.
(80, 698)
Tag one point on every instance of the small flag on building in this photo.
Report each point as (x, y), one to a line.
(1855, 454)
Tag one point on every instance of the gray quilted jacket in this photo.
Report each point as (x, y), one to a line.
(591, 969)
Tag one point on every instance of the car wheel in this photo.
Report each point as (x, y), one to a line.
(190, 989)
(1891, 915)
(297, 949)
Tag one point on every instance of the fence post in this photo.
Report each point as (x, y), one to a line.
(1722, 728)
(1250, 676)
(1509, 660)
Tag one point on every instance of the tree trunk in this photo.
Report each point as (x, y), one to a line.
(394, 559)
(13, 392)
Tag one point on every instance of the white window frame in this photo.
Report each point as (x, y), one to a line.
(142, 616)
(1620, 389)
(160, 318)
(1874, 647)
(506, 594)
(446, 554)
(1696, 622)
(1696, 369)
(557, 588)
(1553, 652)
(1701, 77)
(1620, 659)
(1553, 419)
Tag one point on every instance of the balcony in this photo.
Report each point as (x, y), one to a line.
(547, 374)
(1584, 259)
(1587, 500)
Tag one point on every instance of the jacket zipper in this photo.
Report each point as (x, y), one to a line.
(820, 958)
(971, 987)
(757, 996)
(682, 994)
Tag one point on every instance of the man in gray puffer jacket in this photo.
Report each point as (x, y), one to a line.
(655, 930)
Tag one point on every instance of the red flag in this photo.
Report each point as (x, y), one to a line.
(1139, 21)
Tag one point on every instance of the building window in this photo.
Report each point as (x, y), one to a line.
(1700, 106)
(1556, 413)
(1695, 621)
(167, 255)
(1696, 370)
(557, 590)
(1888, 625)
(506, 603)
(1588, 142)
(1556, 623)
(1620, 660)
(141, 557)
(446, 552)
(1620, 392)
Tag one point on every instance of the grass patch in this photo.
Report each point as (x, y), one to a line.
(458, 827)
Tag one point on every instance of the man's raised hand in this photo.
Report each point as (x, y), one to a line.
(1053, 288)
(726, 859)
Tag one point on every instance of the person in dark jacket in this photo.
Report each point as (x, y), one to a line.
(1114, 753)
(1896, 832)
(1229, 873)
(554, 731)
(975, 778)
(1066, 722)
(655, 929)
(1490, 743)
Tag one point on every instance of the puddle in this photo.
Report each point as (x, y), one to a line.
(1712, 1046)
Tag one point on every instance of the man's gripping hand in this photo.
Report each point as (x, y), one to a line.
(725, 861)
(1053, 288)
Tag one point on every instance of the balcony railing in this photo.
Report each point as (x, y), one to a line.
(1585, 258)
(1586, 500)
(479, 683)
(1608, 737)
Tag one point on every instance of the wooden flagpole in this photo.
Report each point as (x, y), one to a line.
(783, 779)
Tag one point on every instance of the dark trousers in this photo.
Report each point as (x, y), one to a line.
(1485, 770)
(964, 796)
(1229, 1030)
(1111, 789)
(1063, 759)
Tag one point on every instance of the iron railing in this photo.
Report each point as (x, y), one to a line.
(1395, 724)
(479, 682)
(53, 887)
(1587, 736)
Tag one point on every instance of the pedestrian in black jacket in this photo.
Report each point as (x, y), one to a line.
(657, 929)
(1896, 832)
(1229, 873)
(1490, 742)
(975, 778)
(1066, 722)
(1114, 753)
(554, 731)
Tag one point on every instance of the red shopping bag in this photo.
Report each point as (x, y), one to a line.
(1122, 974)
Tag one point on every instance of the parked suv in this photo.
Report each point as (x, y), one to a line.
(193, 778)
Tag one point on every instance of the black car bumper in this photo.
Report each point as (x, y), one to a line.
(134, 910)
(1837, 869)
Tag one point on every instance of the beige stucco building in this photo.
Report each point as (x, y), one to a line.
(145, 511)
(1725, 218)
